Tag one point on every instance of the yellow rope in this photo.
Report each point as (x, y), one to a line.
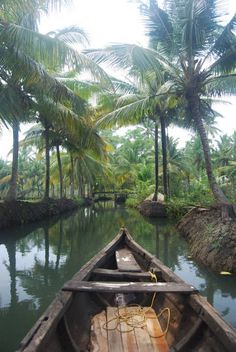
(153, 278)
(137, 317)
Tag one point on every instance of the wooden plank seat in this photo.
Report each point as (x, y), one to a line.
(106, 336)
(127, 287)
(126, 262)
(116, 274)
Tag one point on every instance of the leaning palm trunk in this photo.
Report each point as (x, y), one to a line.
(12, 192)
(155, 197)
(164, 154)
(60, 170)
(221, 199)
(47, 156)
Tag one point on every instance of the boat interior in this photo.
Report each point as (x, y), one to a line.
(127, 300)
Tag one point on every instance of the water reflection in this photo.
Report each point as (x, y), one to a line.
(36, 260)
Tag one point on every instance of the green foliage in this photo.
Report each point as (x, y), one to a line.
(141, 192)
(5, 172)
(199, 193)
(192, 57)
(132, 202)
(80, 201)
(176, 208)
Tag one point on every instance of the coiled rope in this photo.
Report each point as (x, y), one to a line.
(136, 317)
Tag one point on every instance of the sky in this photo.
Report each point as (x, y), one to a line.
(114, 21)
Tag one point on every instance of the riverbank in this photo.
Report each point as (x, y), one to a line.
(22, 212)
(212, 240)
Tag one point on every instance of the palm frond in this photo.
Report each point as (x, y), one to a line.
(51, 52)
(158, 27)
(58, 114)
(5, 179)
(123, 87)
(226, 63)
(226, 38)
(127, 99)
(222, 85)
(33, 76)
(195, 23)
(127, 114)
(14, 103)
(84, 89)
(71, 35)
(129, 55)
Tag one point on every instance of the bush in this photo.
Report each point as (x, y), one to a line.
(132, 202)
(176, 208)
(141, 192)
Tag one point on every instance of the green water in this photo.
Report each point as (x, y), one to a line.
(36, 260)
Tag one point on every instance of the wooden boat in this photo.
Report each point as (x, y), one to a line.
(95, 310)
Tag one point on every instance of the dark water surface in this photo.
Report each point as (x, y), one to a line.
(36, 260)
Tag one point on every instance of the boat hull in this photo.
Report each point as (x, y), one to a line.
(66, 325)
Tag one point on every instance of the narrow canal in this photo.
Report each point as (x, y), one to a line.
(36, 260)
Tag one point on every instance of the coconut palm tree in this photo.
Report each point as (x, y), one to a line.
(15, 107)
(189, 34)
(81, 142)
(198, 57)
(145, 101)
(29, 60)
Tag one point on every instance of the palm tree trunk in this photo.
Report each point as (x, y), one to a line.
(47, 156)
(12, 192)
(53, 191)
(221, 199)
(155, 197)
(157, 241)
(46, 248)
(11, 250)
(168, 173)
(59, 245)
(60, 170)
(72, 179)
(164, 154)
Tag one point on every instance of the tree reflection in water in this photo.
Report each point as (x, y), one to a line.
(40, 257)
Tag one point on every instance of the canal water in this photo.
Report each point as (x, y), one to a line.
(36, 260)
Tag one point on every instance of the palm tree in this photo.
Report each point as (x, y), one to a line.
(81, 142)
(189, 34)
(224, 158)
(27, 57)
(197, 56)
(18, 110)
(145, 102)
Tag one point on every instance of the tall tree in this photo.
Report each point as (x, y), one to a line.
(198, 56)
(11, 194)
(28, 56)
(189, 34)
